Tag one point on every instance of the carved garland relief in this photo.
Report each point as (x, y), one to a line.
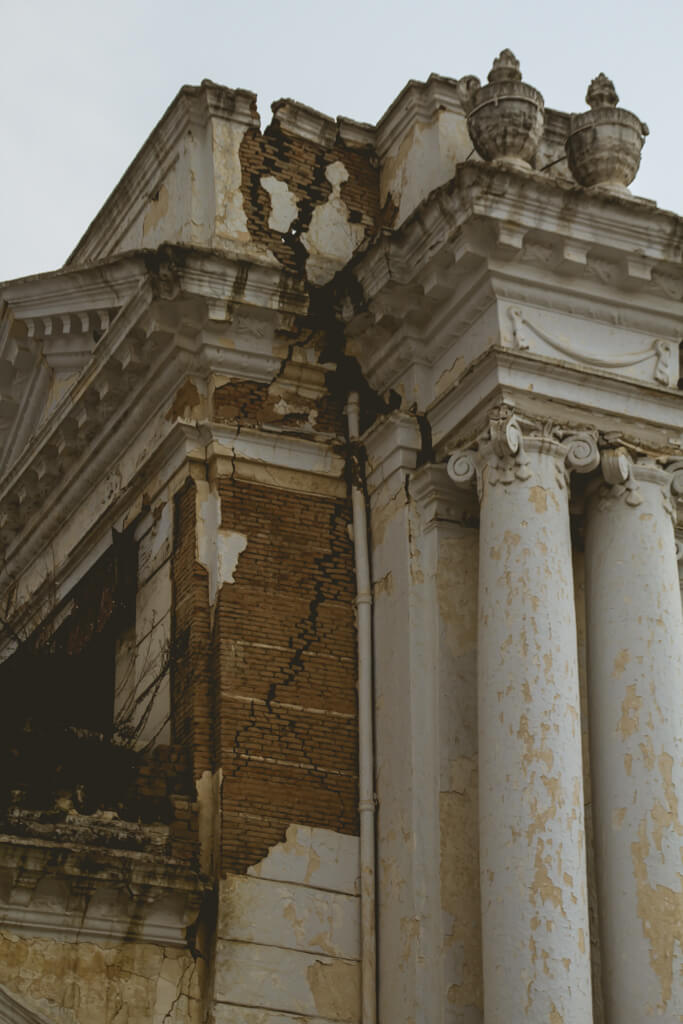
(660, 350)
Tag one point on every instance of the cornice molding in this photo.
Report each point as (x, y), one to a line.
(566, 269)
(271, 448)
(417, 101)
(392, 445)
(521, 209)
(70, 890)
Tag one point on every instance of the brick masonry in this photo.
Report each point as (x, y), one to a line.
(302, 163)
(269, 694)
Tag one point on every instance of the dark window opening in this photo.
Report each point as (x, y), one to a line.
(57, 691)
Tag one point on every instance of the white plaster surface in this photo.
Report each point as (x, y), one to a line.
(153, 601)
(225, 1013)
(154, 546)
(283, 209)
(249, 974)
(424, 158)
(316, 857)
(331, 239)
(288, 933)
(292, 916)
(407, 754)
(231, 219)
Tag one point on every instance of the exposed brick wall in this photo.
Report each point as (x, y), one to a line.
(278, 712)
(285, 635)
(245, 402)
(163, 790)
(301, 164)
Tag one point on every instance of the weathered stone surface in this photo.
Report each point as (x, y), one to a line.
(184, 591)
(86, 983)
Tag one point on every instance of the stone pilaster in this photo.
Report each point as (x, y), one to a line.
(635, 664)
(536, 960)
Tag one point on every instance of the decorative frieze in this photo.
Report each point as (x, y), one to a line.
(663, 354)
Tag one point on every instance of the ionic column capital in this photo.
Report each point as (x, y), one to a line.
(623, 477)
(502, 452)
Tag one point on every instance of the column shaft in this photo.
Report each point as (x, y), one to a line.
(635, 659)
(533, 870)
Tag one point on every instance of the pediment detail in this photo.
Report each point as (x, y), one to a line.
(50, 327)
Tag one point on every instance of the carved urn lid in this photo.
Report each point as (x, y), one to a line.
(505, 68)
(506, 116)
(604, 143)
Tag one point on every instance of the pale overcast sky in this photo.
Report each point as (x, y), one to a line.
(83, 83)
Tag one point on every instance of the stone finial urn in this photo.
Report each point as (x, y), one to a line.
(604, 143)
(505, 118)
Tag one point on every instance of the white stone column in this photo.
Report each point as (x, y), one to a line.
(635, 665)
(536, 958)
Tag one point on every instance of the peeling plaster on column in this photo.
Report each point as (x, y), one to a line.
(331, 240)
(534, 901)
(635, 634)
(283, 208)
(218, 550)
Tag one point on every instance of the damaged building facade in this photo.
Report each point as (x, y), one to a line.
(341, 613)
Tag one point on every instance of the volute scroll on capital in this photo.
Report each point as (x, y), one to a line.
(502, 452)
(622, 476)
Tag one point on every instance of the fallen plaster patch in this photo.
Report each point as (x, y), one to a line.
(283, 208)
(218, 550)
(331, 239)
